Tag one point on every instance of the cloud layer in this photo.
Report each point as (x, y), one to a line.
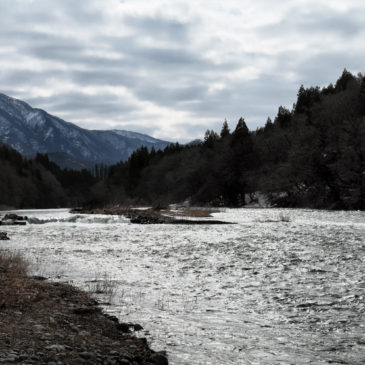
(174, 69)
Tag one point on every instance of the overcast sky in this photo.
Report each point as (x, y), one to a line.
(172, 68)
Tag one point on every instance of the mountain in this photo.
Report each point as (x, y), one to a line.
(31, 130)
(195, 142)
(64, 160)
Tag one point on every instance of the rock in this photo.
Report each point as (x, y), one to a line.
(86, 355)
(22, 357)
(55, 348)
(137, 327)
(10, 359)
(112, 318)
(39, 327)
(13, 220)
(84, 333)
(38, 278)
(123, 362)
(15, 217)
(138, 358)
(4, 236)
(114, 353)
(159, 358)
(123, 327)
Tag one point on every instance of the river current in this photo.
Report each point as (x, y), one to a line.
(278, 287)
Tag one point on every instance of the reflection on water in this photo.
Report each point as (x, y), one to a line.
(278, 287)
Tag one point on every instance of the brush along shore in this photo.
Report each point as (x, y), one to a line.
(52, 323)
(157, 216)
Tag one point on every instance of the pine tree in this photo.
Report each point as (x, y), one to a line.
(225, 129)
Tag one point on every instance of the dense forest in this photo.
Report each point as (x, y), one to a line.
(310, 156)
(40, 183)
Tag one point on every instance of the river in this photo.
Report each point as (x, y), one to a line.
(281, 286)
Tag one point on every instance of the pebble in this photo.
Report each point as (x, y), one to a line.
(55, 348)
(10, 359)
(124, 362)
(84, 333)
(86, 355)
(38, 327)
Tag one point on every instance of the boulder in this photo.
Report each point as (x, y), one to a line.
(159, 358)
(12, 219)
(15, 217)
(3, 236)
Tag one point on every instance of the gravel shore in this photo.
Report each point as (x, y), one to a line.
(54, 324)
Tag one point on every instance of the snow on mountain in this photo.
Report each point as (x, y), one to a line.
(138, 136)
(30, 130)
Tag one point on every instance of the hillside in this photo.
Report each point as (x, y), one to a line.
(30, 131)
(39, 183)
(310, 156)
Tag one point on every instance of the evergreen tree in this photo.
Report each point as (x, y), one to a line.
(225, 129)
(210, 138)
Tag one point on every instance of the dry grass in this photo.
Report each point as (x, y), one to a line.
(104, 285)
(13, 264)
(14, 289)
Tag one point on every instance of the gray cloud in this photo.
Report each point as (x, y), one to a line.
(159, 27)
(107, 105)
(307, 22)
(241, 100)
(329, 66)
(179, 74)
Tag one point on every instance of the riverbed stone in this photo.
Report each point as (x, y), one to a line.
(86, 355)
(3, 236)
(159, 359)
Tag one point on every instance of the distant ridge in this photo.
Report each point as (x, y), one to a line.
(30, 130)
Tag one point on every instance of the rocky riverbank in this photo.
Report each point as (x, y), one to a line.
(54, 324)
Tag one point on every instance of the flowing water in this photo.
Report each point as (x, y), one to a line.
(277, 287)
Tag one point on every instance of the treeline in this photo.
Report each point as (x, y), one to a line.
(310, 156)
(40, 183)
